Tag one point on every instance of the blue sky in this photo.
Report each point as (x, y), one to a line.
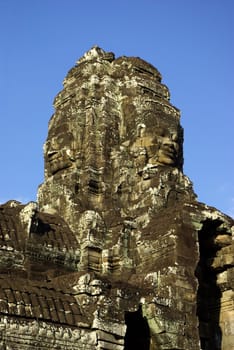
(191, 42)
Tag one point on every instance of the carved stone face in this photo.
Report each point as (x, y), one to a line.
(164, 148)
(156, 149)
(59, 153)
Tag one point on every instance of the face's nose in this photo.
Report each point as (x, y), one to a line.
(168, 150)
(168, 143)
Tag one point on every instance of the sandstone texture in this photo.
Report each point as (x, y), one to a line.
(117, 253)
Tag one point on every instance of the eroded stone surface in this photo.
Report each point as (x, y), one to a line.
(117, 253)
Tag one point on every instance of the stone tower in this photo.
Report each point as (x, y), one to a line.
(117, 253)
(113, 131)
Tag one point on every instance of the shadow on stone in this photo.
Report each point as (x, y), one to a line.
(137, 334)
(209, 293)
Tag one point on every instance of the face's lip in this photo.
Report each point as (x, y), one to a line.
(52, 155)
(169, 151)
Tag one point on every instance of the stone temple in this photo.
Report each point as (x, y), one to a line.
(117, 253)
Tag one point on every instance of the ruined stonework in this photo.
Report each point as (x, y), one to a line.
(117, 253)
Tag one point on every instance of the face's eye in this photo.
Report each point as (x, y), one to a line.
(162, 132)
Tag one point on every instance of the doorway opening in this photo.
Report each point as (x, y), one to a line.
(138, 333)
